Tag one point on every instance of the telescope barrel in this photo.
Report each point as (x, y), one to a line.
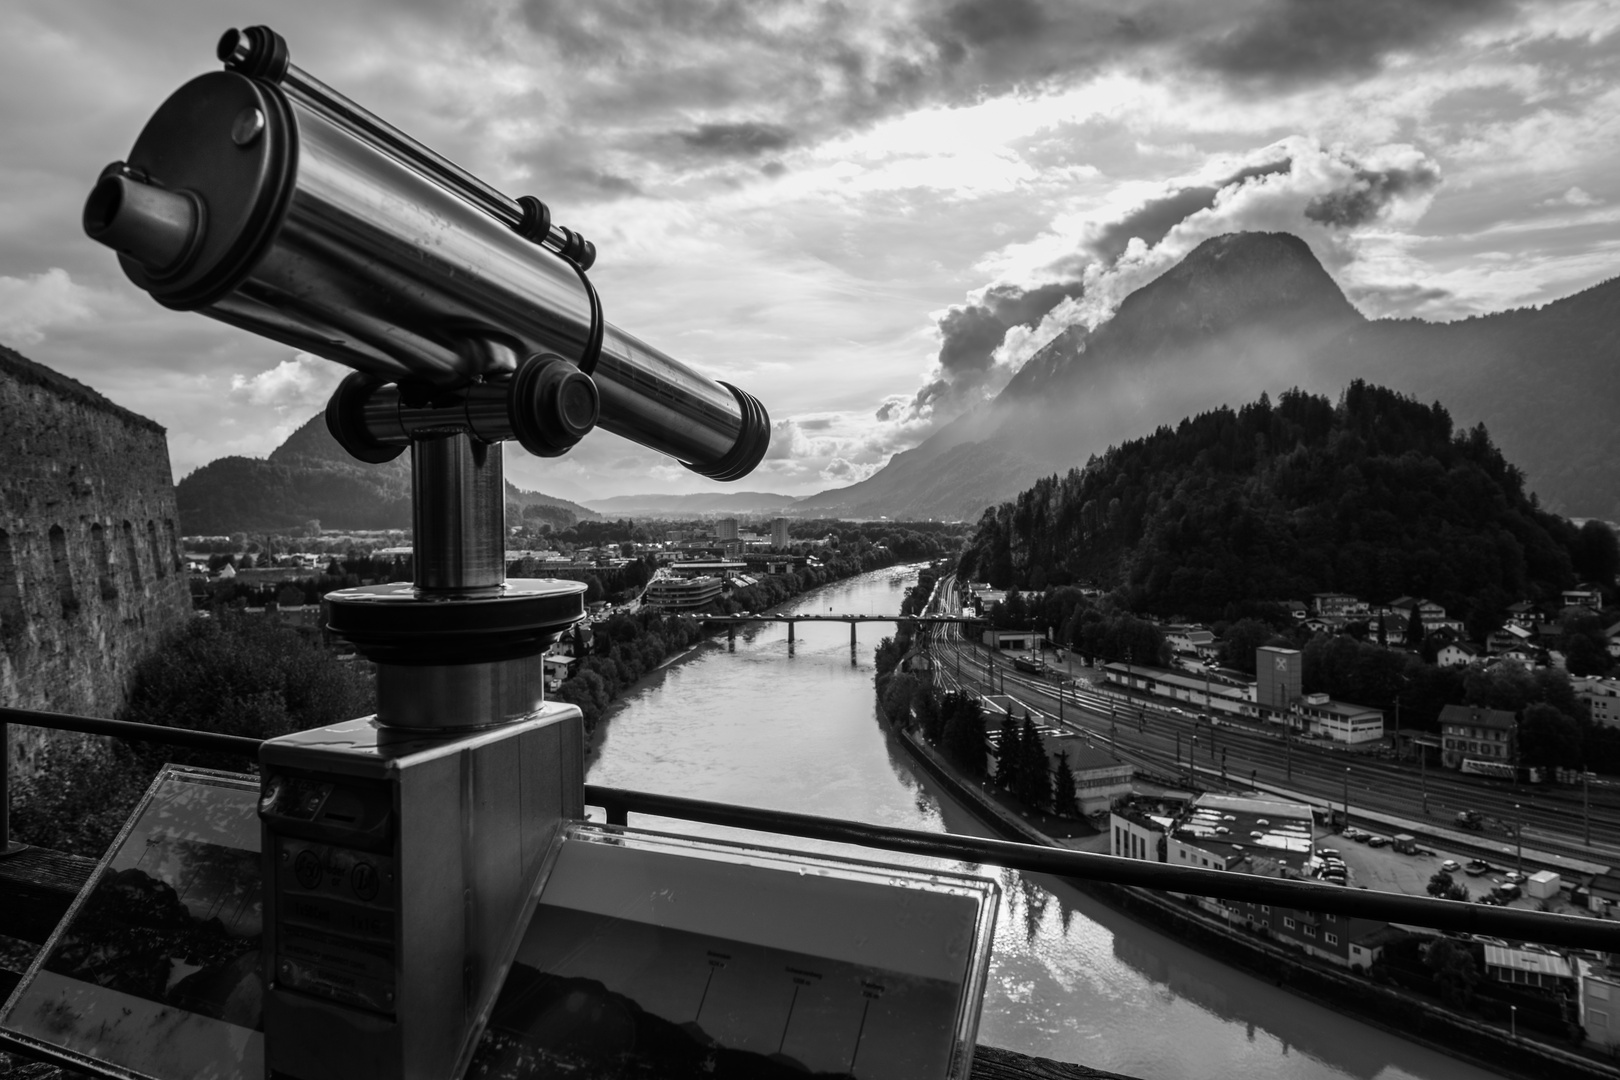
(284, 209)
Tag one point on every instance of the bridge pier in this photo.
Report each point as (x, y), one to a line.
(731, 637)
(854, 656)
(791, 627)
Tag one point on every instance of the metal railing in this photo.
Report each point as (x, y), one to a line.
(1567, 930)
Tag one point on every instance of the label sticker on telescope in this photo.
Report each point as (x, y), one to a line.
(738, 961)
(155, 970)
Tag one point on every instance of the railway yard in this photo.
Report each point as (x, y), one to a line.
(1522, 828)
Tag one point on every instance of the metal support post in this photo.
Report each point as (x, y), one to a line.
(7, 845)
(1423, 776)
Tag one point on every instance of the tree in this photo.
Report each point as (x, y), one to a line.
(1443, 886)
(232, 674)
(1035, 778)
(593, 589)
(1454, 970)
(1547, 737)
(1065, 799)
(1414, 628)
(1009, 756)
(963, 739)
(1243, 639)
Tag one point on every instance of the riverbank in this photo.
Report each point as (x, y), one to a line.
(599, 687)
(1386, 1008)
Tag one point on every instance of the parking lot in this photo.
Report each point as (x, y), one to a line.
(1387, 870)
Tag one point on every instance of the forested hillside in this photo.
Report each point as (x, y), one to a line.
(311, 478)
(1378, 496)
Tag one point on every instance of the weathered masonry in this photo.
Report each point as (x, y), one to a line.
(90, 574)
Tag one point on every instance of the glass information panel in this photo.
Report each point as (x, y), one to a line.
(655, 955)
(154, 971)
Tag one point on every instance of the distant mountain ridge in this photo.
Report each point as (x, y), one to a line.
(717, 502)
(1251, 312)
(310, 477)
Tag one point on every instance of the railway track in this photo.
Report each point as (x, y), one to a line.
(1148, 733)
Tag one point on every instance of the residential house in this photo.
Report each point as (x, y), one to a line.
(1471, 733)
(1457, 654)
(1602, 697)
(1586, 595)
(1339, 604)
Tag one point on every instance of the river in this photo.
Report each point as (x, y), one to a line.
(1071, 979)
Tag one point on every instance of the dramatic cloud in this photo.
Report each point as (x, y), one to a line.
(1324, 195)
(29, 306)
(965, 370)
(1154, 218)
(1312, 40)
(742, 139)
(783, 191)
(1372, 191)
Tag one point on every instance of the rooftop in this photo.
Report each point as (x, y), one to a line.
(1474, 716)
(1232, 825)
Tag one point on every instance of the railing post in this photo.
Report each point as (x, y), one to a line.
(616, 811)
(7, 845)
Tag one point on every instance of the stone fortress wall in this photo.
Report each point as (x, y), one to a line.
(90, 571)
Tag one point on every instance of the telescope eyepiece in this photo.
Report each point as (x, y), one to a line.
(155, 227)
(257, 52)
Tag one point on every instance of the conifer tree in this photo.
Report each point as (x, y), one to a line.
(1035, 787)
(1414, 628)
(1008, 754)
(1065, 799)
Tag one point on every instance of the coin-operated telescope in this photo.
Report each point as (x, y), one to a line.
(399, 849)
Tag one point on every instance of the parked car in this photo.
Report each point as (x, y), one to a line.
(1378, 841)
(1507, 892)
(1450, 866)
(1514, 877)
(1361, 837)
(1328, 853)
(1476, 867)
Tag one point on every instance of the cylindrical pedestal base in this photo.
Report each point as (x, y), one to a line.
(452, 696)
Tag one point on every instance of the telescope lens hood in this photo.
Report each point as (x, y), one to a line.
(753, 440)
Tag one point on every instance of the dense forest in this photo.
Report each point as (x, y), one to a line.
(1377, 496)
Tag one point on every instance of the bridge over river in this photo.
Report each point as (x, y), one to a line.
(1071, 979)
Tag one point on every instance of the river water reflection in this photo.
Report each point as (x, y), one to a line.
(1071, 979)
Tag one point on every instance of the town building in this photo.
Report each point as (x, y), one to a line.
(1598, 1003)
(1188, 638)
(1529, 965)
(1584, 595)
(668, 592)
(1469, 733)
(1340, 721)
(1278, 675)
(725, 529)
(1015, 640)
(1336, 604)
(1602, 698)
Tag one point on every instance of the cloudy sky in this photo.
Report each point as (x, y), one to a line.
(869, 213)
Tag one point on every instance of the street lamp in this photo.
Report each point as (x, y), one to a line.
(1347, 796)
(1518, 840)
(1513, 1019)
